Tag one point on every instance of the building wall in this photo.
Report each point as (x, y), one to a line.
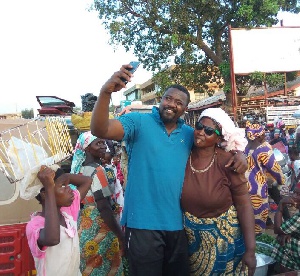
(11, 116)
(146, 92)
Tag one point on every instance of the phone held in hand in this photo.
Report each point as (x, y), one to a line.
(135, 65)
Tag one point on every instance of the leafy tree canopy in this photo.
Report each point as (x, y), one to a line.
(193, 33)
(27, 113)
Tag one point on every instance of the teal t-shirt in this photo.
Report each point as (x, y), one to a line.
(156, 166)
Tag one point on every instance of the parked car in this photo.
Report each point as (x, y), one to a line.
(53, 105)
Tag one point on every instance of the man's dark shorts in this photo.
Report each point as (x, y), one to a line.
(156, 253)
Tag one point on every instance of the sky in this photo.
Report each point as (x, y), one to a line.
(59, 48)
(55, 48)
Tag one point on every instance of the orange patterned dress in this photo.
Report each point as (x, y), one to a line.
(261, 163)
(99, 246)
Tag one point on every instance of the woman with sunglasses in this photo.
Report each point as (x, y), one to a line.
(218, 215)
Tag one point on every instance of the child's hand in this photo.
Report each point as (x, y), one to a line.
(46, 176)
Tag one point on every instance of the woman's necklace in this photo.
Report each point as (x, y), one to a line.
(205, 169)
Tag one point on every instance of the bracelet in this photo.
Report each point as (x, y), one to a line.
(234, 152)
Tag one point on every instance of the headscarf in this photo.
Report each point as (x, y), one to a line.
(277, 131)
(234, 136)
(83, 141)
(254, 130)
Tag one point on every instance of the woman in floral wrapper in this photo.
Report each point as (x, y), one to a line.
(218, 215)
(100, 235)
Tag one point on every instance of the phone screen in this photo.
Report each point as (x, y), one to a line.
(135, 65)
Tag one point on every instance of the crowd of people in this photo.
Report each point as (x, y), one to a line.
(194, 200)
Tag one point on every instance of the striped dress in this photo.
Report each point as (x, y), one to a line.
(261, 166)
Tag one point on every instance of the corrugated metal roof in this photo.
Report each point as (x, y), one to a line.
(210, 101)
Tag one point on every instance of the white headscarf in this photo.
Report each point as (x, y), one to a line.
(234, 136)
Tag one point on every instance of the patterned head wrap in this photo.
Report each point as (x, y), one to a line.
(83, 141)
(233, 136)
(254, 130)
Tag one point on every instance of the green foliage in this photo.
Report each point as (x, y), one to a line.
(164, 78)
(243, 84)
(27, 113)
(257, 78)
(201, 78)
(271, 79)
(189, 33)
(266, 238)
(275, 80)
(290, 76)
(224, 68)
(112, 108)
(159, 29)
(77, 109)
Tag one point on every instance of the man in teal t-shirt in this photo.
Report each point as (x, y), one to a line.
(158, 146)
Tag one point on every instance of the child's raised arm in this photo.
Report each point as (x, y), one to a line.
(50, 234)
(83, 183)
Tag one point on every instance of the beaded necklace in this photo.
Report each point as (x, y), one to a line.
(205, 169)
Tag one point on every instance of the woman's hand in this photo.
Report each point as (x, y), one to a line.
(249, 260)
(282, 239)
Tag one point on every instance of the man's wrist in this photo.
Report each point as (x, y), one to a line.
(105, 92)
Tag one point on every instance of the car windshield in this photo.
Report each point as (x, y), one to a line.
(50, 101)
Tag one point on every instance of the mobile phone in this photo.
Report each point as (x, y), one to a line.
(135, 65)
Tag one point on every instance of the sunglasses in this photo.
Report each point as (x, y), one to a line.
(207, 130)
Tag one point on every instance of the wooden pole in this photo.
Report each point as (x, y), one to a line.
(232, 75)
(265, 90)
(285, 87)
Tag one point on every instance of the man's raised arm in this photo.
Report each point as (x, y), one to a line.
(101, 125)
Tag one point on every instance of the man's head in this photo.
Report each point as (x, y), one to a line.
(276, 133)
(174, 103)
